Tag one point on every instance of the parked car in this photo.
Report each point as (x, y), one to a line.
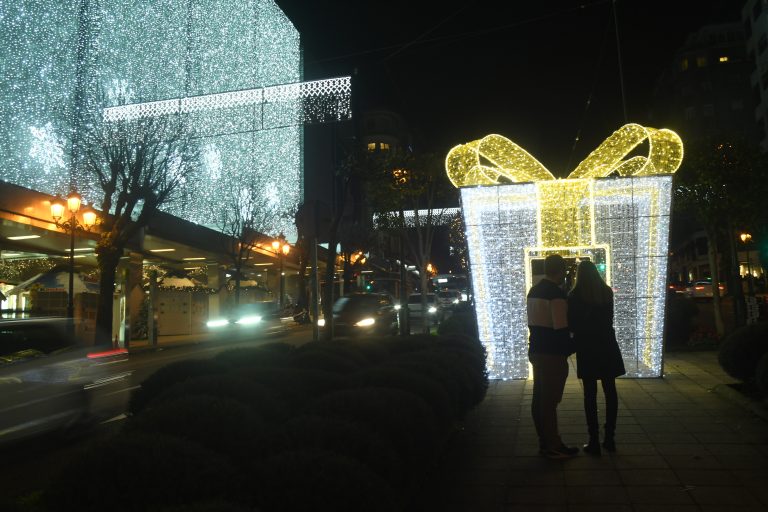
(434, 312)
(702, 290)
(676, 288)
(360, 314)
(44, 377)
(448, 299)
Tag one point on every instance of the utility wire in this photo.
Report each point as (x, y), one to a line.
(588, 104)
(463, 35)
(621, 69)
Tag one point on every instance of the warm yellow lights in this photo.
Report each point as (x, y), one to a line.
(745, 237)
(468, 164)
(724, 58)
(57, 210)
(73, 202)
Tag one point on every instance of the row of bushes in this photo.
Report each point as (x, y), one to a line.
(329, 425)
(744, 356)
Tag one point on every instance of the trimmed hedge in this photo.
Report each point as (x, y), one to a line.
(741, 351)
(170, 374)
(302, 480)
(327, 426)
(761, 375)
(138, 471)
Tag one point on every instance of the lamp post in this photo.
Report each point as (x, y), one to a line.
(73, 203)
(745, 239)
(281, 248)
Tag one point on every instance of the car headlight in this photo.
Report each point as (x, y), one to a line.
(219, 322)
(249, 320)
(464, 297)
(455, 301)
(365, 322)
(397, 306)
(321, 322)
(432, 309)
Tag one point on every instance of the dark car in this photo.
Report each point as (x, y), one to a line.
(361, 314)
(44, 377)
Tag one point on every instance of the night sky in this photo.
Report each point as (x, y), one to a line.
(459, 71)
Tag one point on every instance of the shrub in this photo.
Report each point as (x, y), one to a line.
(298, 386)
(742, 349)
(312, 432)
(326, 360)
(220, 424)
(761, 375)
(462, 322)
(406, 379)
(233, 386)
(272, 355)
(170, 374)
(401, 417)
(208, 506)
(680, 317)
(301, 480)
(141, 471)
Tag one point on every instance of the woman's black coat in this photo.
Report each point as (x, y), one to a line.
(597, 351)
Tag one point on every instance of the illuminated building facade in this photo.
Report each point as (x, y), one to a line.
(620, 223)
(231, 68)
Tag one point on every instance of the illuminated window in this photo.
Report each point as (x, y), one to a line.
(724, 58)
(701, 62)
(371, 146)
(684, 64)
(384, 146)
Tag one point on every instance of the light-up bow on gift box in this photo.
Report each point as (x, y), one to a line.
(621, 224)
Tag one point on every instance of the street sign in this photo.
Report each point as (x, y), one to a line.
(753, 310)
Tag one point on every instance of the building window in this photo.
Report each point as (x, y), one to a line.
(371, 146)
(384, 146)
(701, 61)
(724, 58)
(684, 65)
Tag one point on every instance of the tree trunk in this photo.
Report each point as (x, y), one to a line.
(734, 282)
(425, 319)
(712, 255)
(108, 267)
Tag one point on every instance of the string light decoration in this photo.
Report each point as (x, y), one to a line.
(621, 223)
(232, 69)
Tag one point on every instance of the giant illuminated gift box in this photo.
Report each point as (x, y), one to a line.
(612, 209)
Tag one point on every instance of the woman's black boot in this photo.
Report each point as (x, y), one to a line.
(593, 447)
(608, 443)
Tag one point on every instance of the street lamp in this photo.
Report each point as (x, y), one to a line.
(745, 239)
(281, 248)
(58, 209)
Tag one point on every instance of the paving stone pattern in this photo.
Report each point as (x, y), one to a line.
(681, 447)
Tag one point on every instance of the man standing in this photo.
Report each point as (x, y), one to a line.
(548, 350)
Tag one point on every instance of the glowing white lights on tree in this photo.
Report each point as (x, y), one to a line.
(621, 223)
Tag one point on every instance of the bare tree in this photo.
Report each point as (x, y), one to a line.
(139, 165)
(246, 220)
(409, 194)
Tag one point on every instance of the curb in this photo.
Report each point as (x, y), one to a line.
(727, 392)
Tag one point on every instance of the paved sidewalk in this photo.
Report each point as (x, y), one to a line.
(683, 445)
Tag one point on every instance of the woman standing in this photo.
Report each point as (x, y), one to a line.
(598, 357)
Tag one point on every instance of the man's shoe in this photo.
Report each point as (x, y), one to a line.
(559, 453)
(609, 444)
(570, 450)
